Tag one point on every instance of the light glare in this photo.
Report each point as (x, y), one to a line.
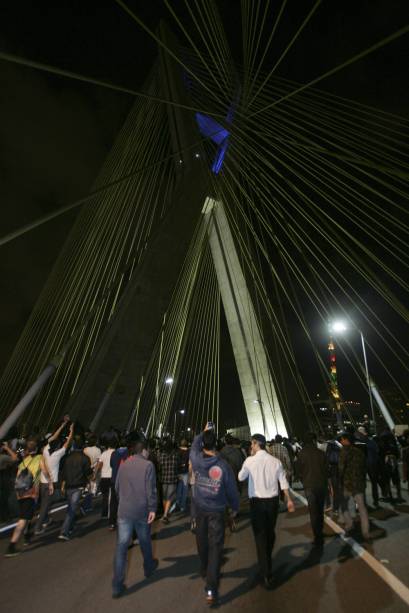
(339, 326)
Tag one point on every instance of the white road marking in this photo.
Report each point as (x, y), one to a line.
(11, 526)
(394, 583)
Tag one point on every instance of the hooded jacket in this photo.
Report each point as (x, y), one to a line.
(215, 483)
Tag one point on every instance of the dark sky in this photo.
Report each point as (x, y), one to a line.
(55, 132)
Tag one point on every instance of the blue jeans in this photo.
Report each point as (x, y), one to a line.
(125, 527)
(73, 499)
(181, 491)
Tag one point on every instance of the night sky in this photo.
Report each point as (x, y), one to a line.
(55, 133)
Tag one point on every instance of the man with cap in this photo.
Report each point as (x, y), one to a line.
(265, 474)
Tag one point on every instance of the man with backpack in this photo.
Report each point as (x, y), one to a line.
(214, 489)
(27, 488)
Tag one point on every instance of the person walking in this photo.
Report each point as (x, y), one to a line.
(312, 468)
(266, 475)
(280, 452)
(369, 446)
(105, 470)
(8, 464)
(183, 475)
(233, 456)
(352, 470)
(117, 458)
(405, 456)
(214, 489)
(332, 457)
(50, 464)
(74, 478)
(168, 468)
(27, 489)
(94, 454)
(136, 491)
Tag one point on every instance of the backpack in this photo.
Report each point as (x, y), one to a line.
(24, 480)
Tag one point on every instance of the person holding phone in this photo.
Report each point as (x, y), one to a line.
(215, 488)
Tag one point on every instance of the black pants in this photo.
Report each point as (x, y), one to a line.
(113, 506)
(373, 475)
(210, 540)
(316, 500)
(263, 512)
(105, 487)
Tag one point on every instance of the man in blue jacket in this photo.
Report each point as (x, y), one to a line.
(215, 488)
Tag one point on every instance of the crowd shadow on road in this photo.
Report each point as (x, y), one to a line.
(287, 563)
(180, 567)
(50, 537)
(382, 513)
(162, 533)
(284, 568)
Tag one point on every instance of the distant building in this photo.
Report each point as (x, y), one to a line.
(324, 412)
(397, 405)
(353, 409)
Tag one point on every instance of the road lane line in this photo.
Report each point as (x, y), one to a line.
(392, 581)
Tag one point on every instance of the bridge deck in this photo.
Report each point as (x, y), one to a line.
(77, 575)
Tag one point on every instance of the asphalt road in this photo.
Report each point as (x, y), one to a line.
(76, 575)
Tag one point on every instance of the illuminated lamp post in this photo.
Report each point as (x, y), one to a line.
(339, 327)
(182, 412)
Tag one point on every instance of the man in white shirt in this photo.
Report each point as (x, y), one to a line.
(50, 464)
(104, 465)
(266, 476)
(94, 453)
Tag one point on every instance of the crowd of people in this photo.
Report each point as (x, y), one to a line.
(140, 480)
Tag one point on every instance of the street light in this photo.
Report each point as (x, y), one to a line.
(340, 327)
(182, 412)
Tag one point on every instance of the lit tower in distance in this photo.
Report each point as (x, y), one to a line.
(333, 385)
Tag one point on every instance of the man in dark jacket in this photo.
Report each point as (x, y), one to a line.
(352, 470)
(312, 467)
(232, 454)
(369, 446)
(136, 490)
(74, 477)
(215, 488)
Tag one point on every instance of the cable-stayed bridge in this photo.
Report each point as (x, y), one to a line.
(229, 190)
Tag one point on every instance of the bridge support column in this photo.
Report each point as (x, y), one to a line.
(259, 394)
